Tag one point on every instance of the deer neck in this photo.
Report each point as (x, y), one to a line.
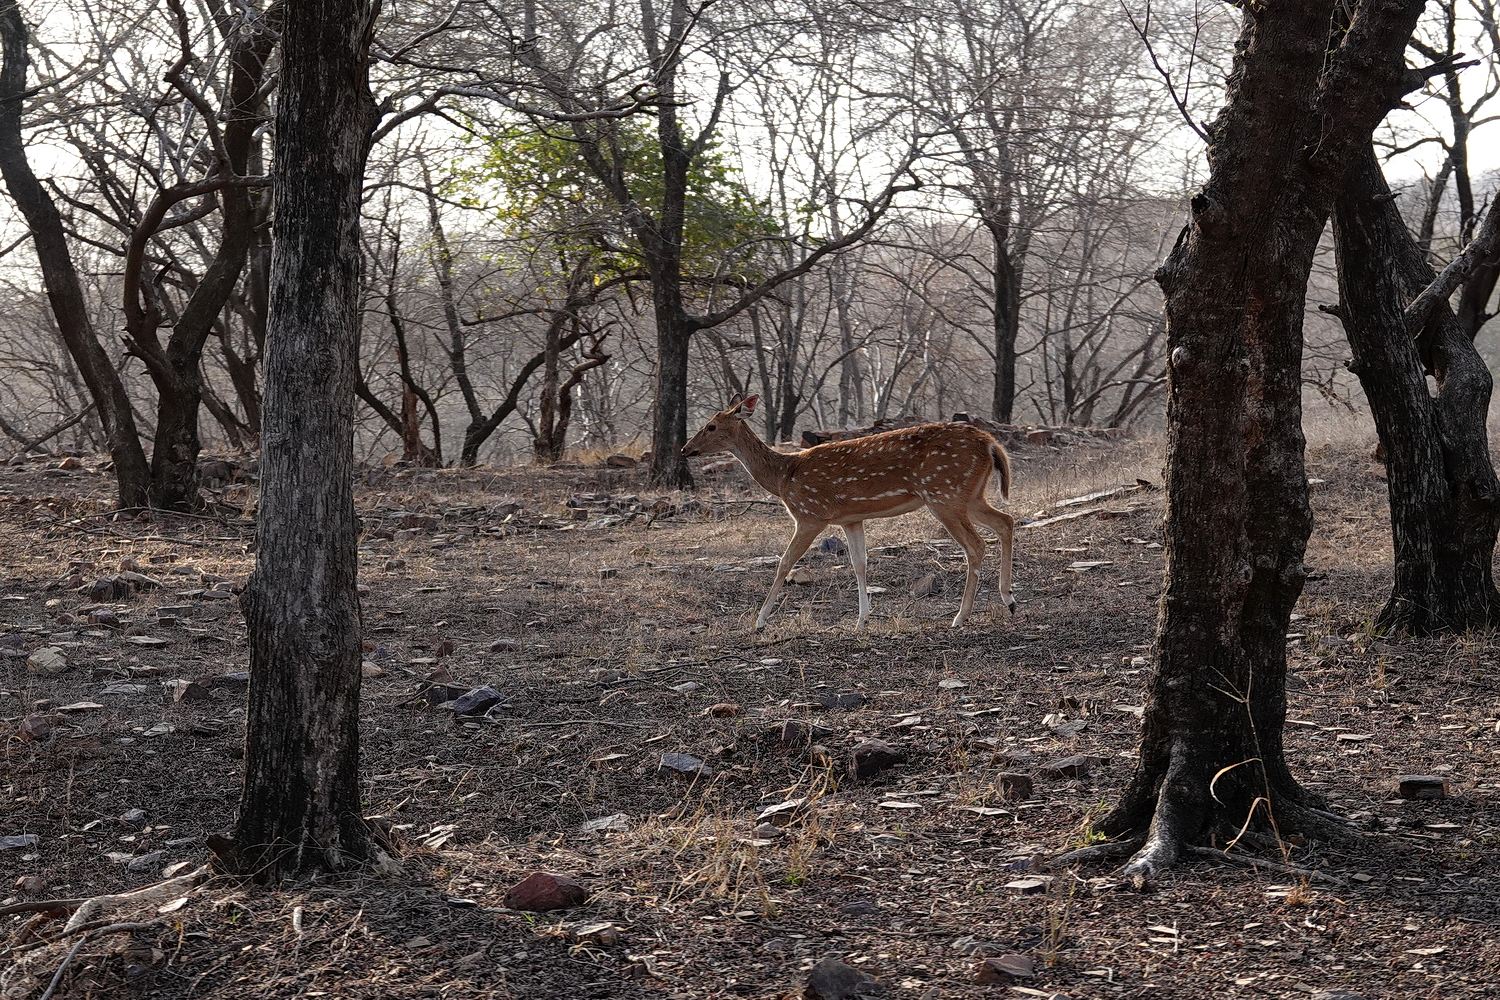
(768, 468)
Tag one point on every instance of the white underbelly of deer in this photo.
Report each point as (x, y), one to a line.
(944, 467)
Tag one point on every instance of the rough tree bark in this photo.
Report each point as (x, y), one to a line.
(1304, 96)
(300, 806)
(1444, 497)
(59, 275)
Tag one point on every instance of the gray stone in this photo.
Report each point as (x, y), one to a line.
(832, 979)
(1421, 786)
(873, 756)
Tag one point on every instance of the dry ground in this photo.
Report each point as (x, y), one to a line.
(595, 676)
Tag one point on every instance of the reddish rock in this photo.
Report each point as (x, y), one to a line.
(540, 891)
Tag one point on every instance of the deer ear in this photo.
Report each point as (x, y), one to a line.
(746, 409)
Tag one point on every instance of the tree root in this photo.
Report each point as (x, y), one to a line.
(1097, 852)
(1312, 874)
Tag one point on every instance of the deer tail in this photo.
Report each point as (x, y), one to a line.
(1002, 466)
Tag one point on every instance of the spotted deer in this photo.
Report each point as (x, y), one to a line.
(945, 467)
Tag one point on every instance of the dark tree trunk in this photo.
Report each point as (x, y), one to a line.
(300, 806)
(552, 423)
(1445, 501)
(176, 369)
(1237, 520)
(64, 292)
(548, 447)
(1006, 320)
(1478, 289)
(674, 335)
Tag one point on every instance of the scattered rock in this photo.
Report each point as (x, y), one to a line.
(859, 908)
(785, 813)
(34, 727)
(183, 690)
(848, 700)
(618, 461)
(476, 701)
(437, 694)
(1027, 886)
(47, 661)
(614, 822)
(133, 818)
(1004, 970)
(724, 710)
(793, 733)
(833, 546)
(504, 646)
(768, 831)
(602, 933)
(1336, 995)
(683, 766)
(146, 862)
(369, 668)
(926, 587)
(19, 840)
(392, 565)
(1408, 786)
(1014, 785)
(686, 687)
(104, 616)
(873, 756)
(31, 885)
(832, 979)
(967, 945)
(608, 572)
(819, 756)
(541, 891)
(800, 575)
(1076, 766)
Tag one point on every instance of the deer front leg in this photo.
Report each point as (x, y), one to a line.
(801, 539)
(856, 534)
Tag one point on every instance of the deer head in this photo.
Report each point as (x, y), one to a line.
(723, 429)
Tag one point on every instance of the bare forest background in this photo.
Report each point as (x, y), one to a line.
(886, 212)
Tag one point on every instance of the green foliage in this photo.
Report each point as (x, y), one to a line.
(540, 187)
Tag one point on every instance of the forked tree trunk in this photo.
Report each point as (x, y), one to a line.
(59, 275)
(300, 806)
(1237, 520)
(1444, 497)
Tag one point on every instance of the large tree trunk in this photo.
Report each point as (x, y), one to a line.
(1445, 500)
(59, 275)
(674, 334)
(300, 806)
(1237, 518)
(1006, 320)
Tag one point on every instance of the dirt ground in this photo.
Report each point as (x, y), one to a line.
(614, 624)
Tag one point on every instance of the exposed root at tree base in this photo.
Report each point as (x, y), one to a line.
(1178, 828)
(1312, 874)
(1097, 852)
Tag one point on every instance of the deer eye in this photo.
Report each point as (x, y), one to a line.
(710, 426)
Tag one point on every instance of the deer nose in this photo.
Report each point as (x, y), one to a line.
(688, 452)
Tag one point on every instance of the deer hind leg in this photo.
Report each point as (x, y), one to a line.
(801, 539)
(856, 534)
(1003, 525)
(957, 523)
